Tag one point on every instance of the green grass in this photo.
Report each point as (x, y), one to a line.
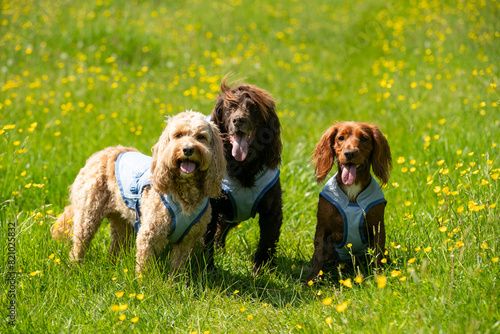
(77, 76)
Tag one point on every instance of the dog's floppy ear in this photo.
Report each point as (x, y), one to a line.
(381, 156)
(161, 176)
(324, 154)
(213, 184)
(218, 112)
(272, 155)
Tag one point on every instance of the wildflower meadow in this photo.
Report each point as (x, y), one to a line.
(78, 76)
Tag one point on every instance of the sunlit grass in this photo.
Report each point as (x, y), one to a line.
(78, 76)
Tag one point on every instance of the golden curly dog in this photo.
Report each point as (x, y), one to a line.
(167, 194)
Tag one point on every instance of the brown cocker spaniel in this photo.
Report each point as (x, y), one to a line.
(350, 216)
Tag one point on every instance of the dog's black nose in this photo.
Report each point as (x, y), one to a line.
(188, 151)
(349, 154)
(238, 121)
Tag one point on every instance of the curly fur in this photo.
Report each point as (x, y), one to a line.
(95, 194)
(246, 117)
(361, 146)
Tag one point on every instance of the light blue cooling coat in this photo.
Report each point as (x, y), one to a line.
(133, 173)
(245, 200)
(353, 214)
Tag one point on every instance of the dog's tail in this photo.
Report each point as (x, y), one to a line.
(63, 226)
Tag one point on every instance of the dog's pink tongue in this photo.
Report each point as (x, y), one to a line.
(188, 166)
(348, 174)
(240, 147)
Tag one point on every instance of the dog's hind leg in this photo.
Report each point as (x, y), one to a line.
(86, 224)
(90, 203)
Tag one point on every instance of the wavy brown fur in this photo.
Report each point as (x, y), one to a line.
(249, 110)
(265, 149)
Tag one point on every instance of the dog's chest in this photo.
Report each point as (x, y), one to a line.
(352, 191)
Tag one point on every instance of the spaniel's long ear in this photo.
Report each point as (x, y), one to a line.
(324, 154)
(218, 112)
(217, 169)
(381, 156)
(272, 155)
(161, 176)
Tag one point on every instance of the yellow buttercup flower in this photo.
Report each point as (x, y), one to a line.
(119, 307)
(381, 281)
(341, 307)
(347, 283)
(122, 317)
(327, 301)
(395, 273)
(134, 320)
(119, 294)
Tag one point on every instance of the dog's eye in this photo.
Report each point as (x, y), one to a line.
(363, 138)
(178, 135)
(201, 137)
(340, 138)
